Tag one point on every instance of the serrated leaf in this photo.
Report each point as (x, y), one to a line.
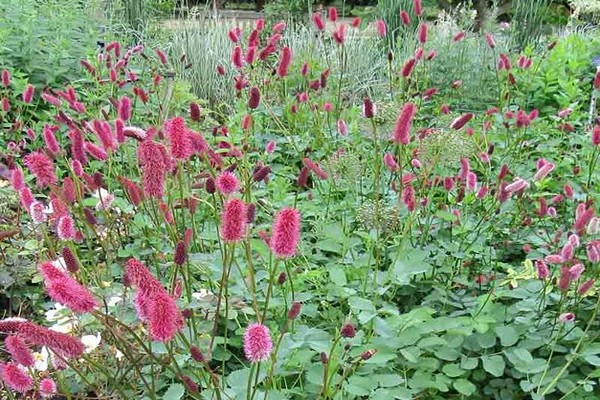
(494, 365)
(508, 335)
(175, 392)
(464, 387)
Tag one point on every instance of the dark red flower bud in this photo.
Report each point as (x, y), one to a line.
(294, 310)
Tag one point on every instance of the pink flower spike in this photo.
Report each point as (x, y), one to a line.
(257, 343)
(516, 185)
(418, 6)
(15, 377)
(566, 317)
(489, 38)
(405, 18)
(461, 121)
(542, 269)
(390, 162)
(544, 171)
(318, 21)
(381, 28)
(5, 78)
(227, 183)
(233, 220)
(422, 35)
(342, 127)
(286, 233)
(585, 287)
(332, 14)
(47, 387)
(554, 259)
(124, 108)
(270, 147)
(19, 351)
(28, 94)
(575, 271)
(16, 179)
(404, 124)
(42, 168)
(161, 56)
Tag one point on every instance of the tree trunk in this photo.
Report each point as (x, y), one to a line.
(482, 10)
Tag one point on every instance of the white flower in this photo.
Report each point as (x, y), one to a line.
(118, 354)
(105, 199)
(91, 342)
(41, 359)
(60, 263)
(114, 300)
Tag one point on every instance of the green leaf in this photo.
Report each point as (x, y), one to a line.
(453, 370)
(360, 304)
(389, 380)
(464, 387)
(494, 365)
(175, 392)
(337, 276)
(468, 362)
(447, 353)
(508, 335)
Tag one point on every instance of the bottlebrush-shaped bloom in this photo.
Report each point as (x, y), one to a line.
(28, 94)
(279, 27)
(332, 14)
(65, 290)
(257, 343)
(19, 351)
(16, 377)
(459, 36)
(585, 286)
(237, 58)
(516, 185)
(65, 228)
(42, 168)
(422, 35)
(71, 261)
(16, 179)
(26, 198)
(60, 343)
(102, 130)
(96, 152)
(339, 35)
(153, 302)
(566, 317)
(542, 269)
(408, 198)
(194, 111)
(342, 127)
(576, 270)
(356, 21)
(37, 212)
(461, 121)
(155, 163)
(47, 387)
(164, 318)
(286, 233)
(583, 218)
(491, 42)
(408, 67)
(543, 171)
(178, 136)
(5, 78)
(381, 28)
(227, 183)
(564, 281)
(368, 108)
(284, 62)
(390, 162)
(50, 140)
(78, 146)
(418, 7)
(318, 21)
(404, 124)
(161, 56)
(124, 109)
(254, 98)
(233, 220)
(596, 135)
(405, 18)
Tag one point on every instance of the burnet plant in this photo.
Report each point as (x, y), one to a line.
(197, 255)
